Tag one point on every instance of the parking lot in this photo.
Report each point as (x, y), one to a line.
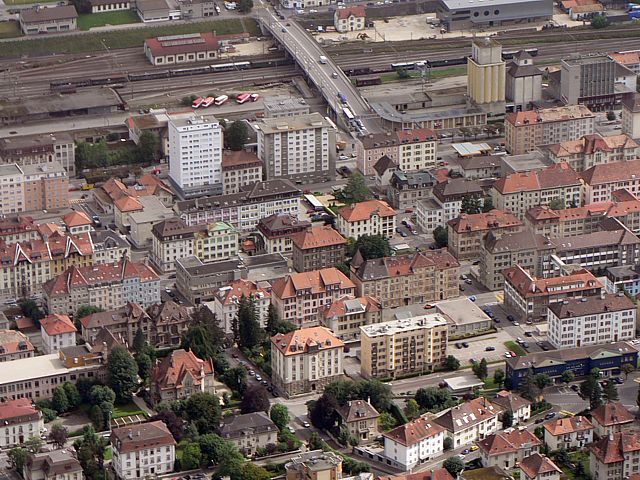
(477, 348)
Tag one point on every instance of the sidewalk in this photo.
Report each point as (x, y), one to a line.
(140, 403)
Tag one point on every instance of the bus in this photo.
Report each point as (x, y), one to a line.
(208, 102)
(242, 98)
(314, 202)
(221, 100)
(348, 114)
(197, 102)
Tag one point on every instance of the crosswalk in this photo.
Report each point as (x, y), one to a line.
(77, 201)
(499, 297)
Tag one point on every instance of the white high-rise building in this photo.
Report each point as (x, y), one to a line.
(195, 155)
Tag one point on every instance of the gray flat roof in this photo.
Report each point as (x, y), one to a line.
(389, 113)
(10, 169)
(35, 367)
(462, 311)
(95, 98)
(458, 4)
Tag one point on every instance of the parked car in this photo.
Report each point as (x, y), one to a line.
(458, 345)
(465, 344)
(490, 349)
(306, 424)
(549, 415)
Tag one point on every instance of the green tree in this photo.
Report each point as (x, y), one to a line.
(236, 135)
(174, 423)
(587, 386)
(236, 379)
(487, 204)
(528, 386)
(73, 395)
(481, 369)
(101, 393)
(18, 457)
(599, 21)
(452, 363)
(454, 465)
(249, 331)
(557, 204)
(611, 392)
(97, 417)
(611, 115)
(356, 190)
(507, 419)
(145, 365)
(251, 471)
(58, 434)
(447, 444)
(90, 449)
(255, 399)
(386, 421)
(139, 341)
(59, 402)
(191, 456)
(272, 319)
(542, 381)
(279, 415)
(627, 368)
(122, 372)
(498, 377)
(204, 410)
(33, 444)
(198, 341)
(322, 412)
(315, 442)
(231, 462)
(567, 377)
(434, 399)
(371, 246)
(148, 147)
(441, 236)
(412, 409)
(595, 399)
(213, 448)
(471, 204)
(91, 155)
(377, 393)
(245, 6)
(30, 309)
(82, 6)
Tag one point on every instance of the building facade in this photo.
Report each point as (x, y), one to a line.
(601, 181)
(414, 443)
(318, 247)
(372, 217)
(48, 19)
(20, 421)
(595, 149)
(249, 432)
(470, 421)
(33, 187)
(227, 300)
(239, 169)
(486, 72)
(277, 230)
(346, 315)
(180, 375)
(58, 332)
(349, 19)
(615, 456)
(508, 448)
(568, 433)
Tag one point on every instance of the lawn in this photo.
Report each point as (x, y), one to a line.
(435, 73)
(9, 29)
(107, 453)
(126, 410)
(514, 347)
(577, 457)
(132, 37)
(87, 21)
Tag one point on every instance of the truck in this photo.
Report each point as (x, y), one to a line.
(322, 59)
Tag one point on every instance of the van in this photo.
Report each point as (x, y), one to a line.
(322, 59)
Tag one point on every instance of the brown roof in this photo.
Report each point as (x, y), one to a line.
(563, 426)
(56, 324)
(509, 401)
(318, 237)
(346, 304)
(316, 281)
(48, 14)
(404, 265)
(612, 413)
(612, 449)
(509, 441)
(356, 410)
(364, 210)
(554, 114)
(437, 474)
(557, 175)
(591, 305)
(179, 365)
(356, 11)
(17, 411)
(612, 172)
(471, 412)
(529, 286)
(484, 221)
(590, 144)
(190, 43)
(76, 219)
(281, 224)
(139, 437)
(415, 431)
(306, 339)
(236, 289)
(239, 159)
(536, 464)
(12, 341)
(383, 164)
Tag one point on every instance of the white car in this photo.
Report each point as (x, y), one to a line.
(343, 157)
(507, 354)
(258, 378)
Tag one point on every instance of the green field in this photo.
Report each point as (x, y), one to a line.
(133, 37)
(126, 410)
(9, 29)
(87, 21)
(514, 347)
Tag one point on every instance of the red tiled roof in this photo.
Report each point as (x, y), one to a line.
(318, 237)
(179, 365)
(508, 441)
(202, 42)
(356, 11)
(484, 221)
(57, 324)
(299, 341)
(241, 287)
(316, 281)
(17, 411)
(536, 464)
(241, 159)
(612, 172)
(416, 135)
(415, 431)
(590, 144)
(612, 449)
(529, 286)
(76, 219)
(338, 308)
(364, 210)
(626, 58)
(612, 413)
(13, 341)
(557, 175)
(437, 474)
(563, 426)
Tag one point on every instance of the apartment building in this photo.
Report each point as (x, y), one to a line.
(107, 286)
(403, 346)
(227, 299)
(314, 465)
(615, 456)
(249, 432)
(411, 150)
(346, 315)
(361, 420)
(115, 192)
(239, 169)
(593, 320)
(244, 209)
(611, 417)
(524, 131)
(14, 345)
(173, 239)
(568, 433)
(528, 297)
(305, 360)
(300, 148)
(406, 189)
(58, 332)
(623, 279)
(18, 228)
(46, 186)
(414, 443)
(349, 19)
(470, 421)
(519, 407)
(407, 279)
(630, 115)
(20, 421)
(12, 191)
(539, 467)
(54, 465)
(508, 448)
(142, 450)
(39, 149)
(195, 155)
(318, 247)
(467, 232)
(520, 191)
(595, 149)
(372, 217)
(276, 232)
(298, 297)
(179, 375)
(527, 249)
(600, 181)
(447, 202)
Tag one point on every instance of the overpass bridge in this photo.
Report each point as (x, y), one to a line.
(327, 77)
